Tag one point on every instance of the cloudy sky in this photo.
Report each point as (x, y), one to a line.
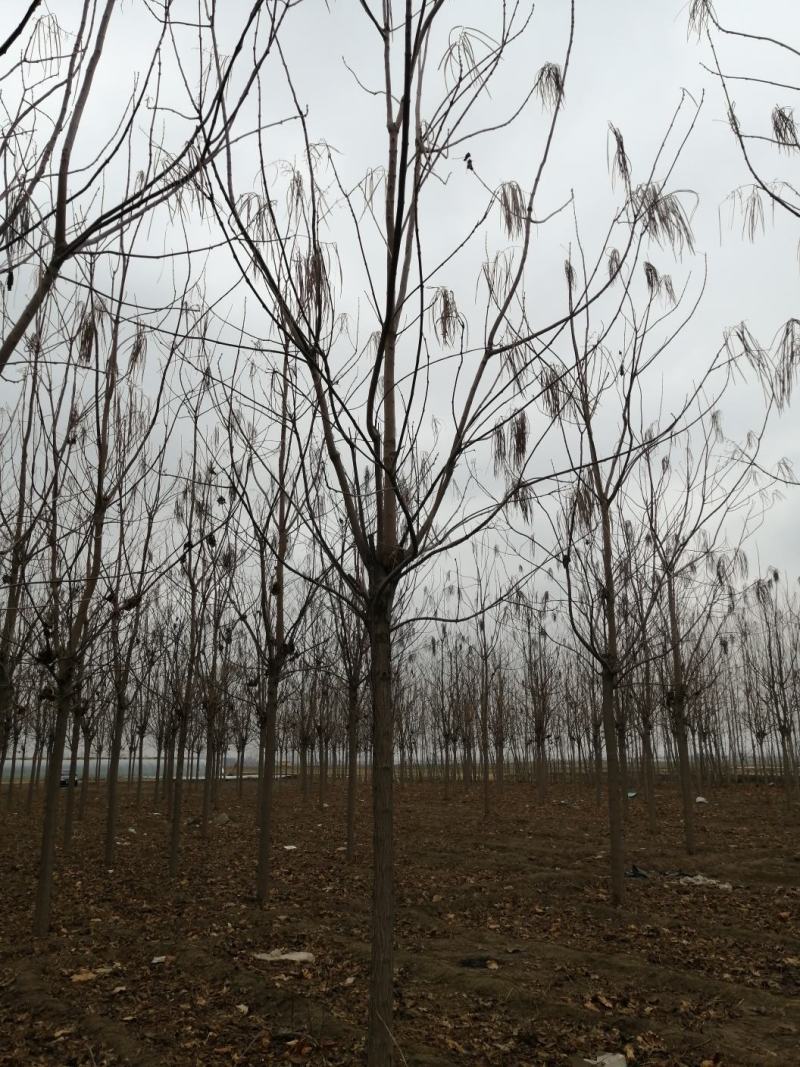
(632, 63)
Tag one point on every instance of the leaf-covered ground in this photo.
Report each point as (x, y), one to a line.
(507, 949)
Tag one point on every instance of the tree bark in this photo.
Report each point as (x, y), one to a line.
(113, 781)
(44, 887)
(615, 814)
(73, 769)
(267, 785)
(352, 768)
(379, 1037)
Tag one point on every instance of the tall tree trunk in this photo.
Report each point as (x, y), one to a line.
(37, 751)
(304, 769)
(322, 769)
(87, 761)
(541, 764)
(616, 822)
(379, 1036)
(678, 707)
(69, 815)
(139, 773)
(649, 777)
(208, 780)
(177, 794)
(158, 771)
(112, 780)
(12, 772)
(267, 786)
(352, 768)
(44, 887)
(484, 713)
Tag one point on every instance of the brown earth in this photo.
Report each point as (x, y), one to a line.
(508, 950)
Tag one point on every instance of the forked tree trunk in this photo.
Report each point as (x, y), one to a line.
(379, 1036)
(44, 887)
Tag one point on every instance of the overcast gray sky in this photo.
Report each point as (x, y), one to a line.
(631, 62)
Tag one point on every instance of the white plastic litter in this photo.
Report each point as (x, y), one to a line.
(709, 883)
(276, 956)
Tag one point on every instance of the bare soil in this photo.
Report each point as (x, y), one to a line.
(508, 951)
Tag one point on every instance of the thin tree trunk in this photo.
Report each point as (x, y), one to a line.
(379, 1034)
(265, 814)
(112, 781)
(87, 761)
(69, 815)
(615, 813)
(177, 795)
(10, 796)
(44, 887)
(352, 768)
(679, 719)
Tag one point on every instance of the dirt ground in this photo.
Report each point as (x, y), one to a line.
(507, 949)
